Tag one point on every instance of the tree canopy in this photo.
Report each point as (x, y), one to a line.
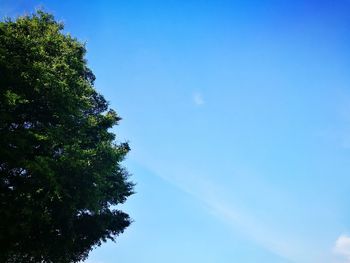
(61, 177)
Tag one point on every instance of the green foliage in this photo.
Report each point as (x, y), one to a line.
(60, 172)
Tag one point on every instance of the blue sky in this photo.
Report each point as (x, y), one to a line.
(238, 116)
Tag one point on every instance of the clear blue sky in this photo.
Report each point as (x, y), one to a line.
(238, 116)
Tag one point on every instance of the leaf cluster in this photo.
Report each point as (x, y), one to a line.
(60, 169)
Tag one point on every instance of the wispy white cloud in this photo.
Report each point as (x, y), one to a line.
(198, 99)
(241, 222)
(280, 244)
(342, 247)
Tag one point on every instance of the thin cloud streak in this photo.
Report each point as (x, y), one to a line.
(238, 221)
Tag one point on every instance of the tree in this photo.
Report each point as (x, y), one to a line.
(61, 177)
